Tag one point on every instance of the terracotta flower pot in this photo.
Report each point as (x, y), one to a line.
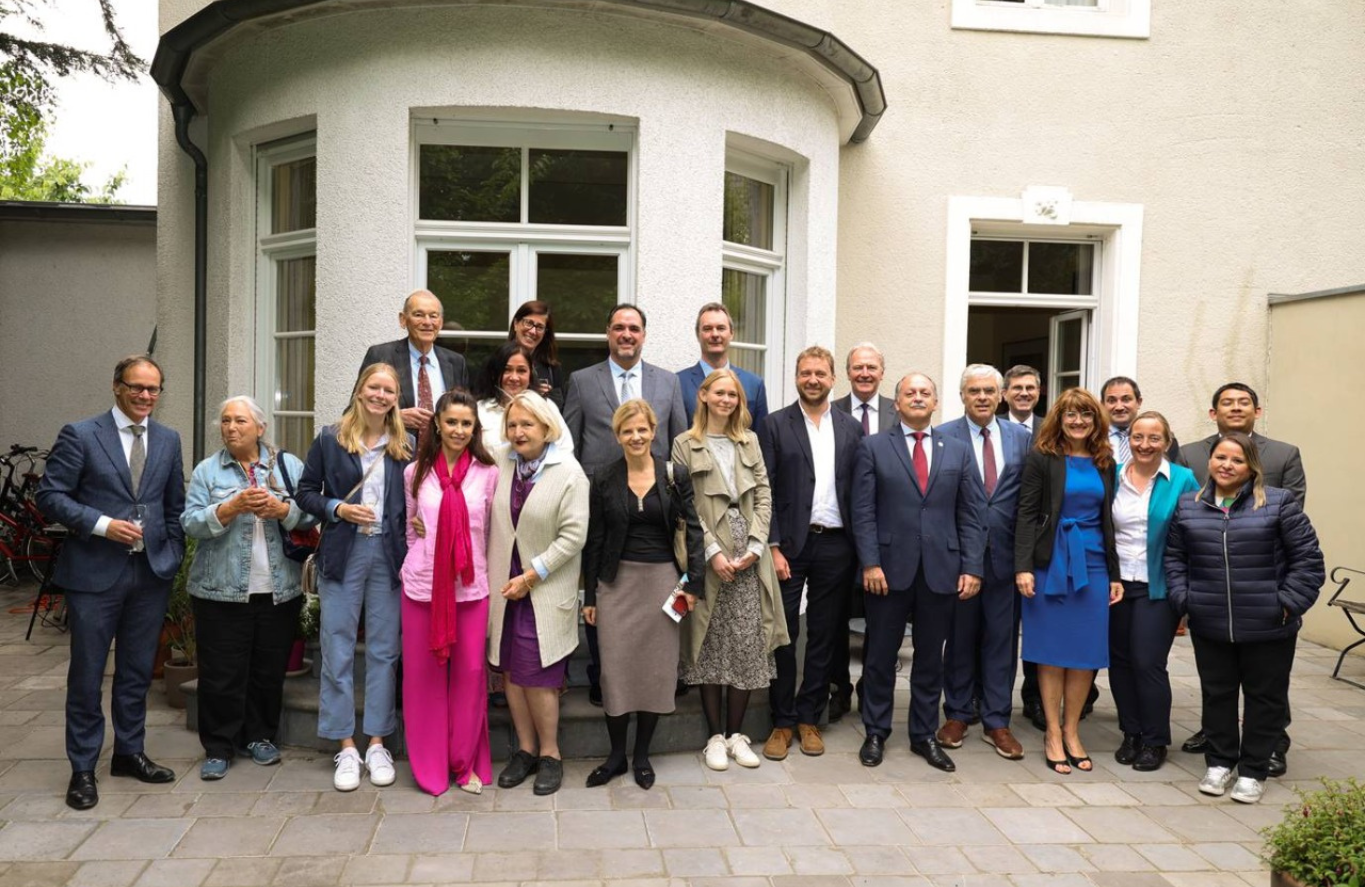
(178, 673)
(1280, 879)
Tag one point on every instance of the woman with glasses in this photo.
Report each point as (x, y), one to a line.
(1066, 566)
(533, 327)
(509, 372)
(245, 593)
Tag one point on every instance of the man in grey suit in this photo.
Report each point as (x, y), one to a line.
(593, 396)
(117, 483)
(1236, 407)
(425, 370)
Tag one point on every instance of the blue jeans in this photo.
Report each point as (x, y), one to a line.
(370, 584)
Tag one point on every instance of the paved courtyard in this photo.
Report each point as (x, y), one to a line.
(806, 822)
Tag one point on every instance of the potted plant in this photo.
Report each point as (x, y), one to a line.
(310, 622)
(1321, 840)
(183, 664)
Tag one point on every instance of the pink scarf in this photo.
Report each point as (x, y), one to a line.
(454, 553)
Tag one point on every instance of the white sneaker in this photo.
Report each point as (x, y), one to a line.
(1216, 781)
(1248, 790)
(347, 777)
(380, 764)
(740, 751)
(717, 753)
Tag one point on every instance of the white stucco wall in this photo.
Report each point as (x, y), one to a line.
(75, 297)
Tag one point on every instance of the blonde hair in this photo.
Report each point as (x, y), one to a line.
(540, 410)
(634, 407)
(351, 428)
(737, 425)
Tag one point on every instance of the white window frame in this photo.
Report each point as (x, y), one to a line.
(1110, 18)
(1115, 227)
(771, 264)
(524, 240)
(271, 250)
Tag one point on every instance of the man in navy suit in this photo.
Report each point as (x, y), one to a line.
(983, 647)
(715, 331)
(416, 356)
(917, 507)
(117, 483)
(810, 451)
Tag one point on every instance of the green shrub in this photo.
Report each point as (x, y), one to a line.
(1321, 840)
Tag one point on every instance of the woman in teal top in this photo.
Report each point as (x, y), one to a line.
(1142, 625)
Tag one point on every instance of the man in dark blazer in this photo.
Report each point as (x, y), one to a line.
(117, 483)
(921, 542)
(809, 450)
(1023, 386)
(593, 396)
(715, 331)
(417, 354)
(984, 644)
(1236, 407)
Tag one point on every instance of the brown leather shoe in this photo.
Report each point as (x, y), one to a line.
(950, 735)
(775, 749)
(1006, 746)
(811, 743)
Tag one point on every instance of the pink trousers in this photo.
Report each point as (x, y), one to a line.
(445, 707)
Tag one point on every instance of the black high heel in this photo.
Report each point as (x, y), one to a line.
(1076, 762)
(1055, 765)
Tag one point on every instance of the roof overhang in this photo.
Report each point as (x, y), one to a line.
(40, 211)
(186, 51)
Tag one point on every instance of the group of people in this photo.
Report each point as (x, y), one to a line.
(460, 522)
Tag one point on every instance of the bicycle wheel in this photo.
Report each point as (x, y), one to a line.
(38, 553)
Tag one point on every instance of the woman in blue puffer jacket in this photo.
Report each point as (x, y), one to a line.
(1243, 563)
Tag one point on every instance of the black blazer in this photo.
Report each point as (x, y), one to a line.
(887, 416)
(1040, 504)
(791, 473)
(554, 374)
(396, 355)
(609, 505)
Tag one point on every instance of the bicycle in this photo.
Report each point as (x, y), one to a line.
(26, 535)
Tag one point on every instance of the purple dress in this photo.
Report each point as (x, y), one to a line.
(519, 651)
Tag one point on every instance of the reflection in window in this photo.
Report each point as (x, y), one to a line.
(744, 296)
(578, 187)
(293, 196)
(459, 183)
(748, 211)
(580, 288)
(472, 287)
(1032, 267)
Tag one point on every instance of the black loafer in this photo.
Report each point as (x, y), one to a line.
(1150, 758)
(595, 695)
(874, 748)
(1279, 764)
(81, 793)
(840, 704)
(1090, 699)
(604, 774)
(931, 751)
(141, 768)
(1034, 712)
(549, 776)
(1196, 744)
(521, 765)
(1128, 752)
(644, 777)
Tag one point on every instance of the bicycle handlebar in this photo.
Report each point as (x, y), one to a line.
(16, 450)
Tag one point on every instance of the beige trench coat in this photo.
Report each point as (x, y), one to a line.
(712, 501)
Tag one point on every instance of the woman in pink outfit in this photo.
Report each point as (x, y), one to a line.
(445, 600)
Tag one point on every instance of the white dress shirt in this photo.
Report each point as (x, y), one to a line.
(873, 412)
(928, 445)
(1130, 524)
(824, 503)
(438, 384)
(978, 448)
(125, 439)
(372, 489)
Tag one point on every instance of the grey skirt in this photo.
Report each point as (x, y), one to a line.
(637, 641)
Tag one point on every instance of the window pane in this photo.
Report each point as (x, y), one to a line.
(293, 433)
(294, 373)
(459, 183)
(294, 294)
(575, 356)
(997, 266)
(294, 196)
(1065, 269)
(745, 296)
(748, 211)
(472, 287)
(581, 289)
(578, 187)
(750, 359)
(1069, 346)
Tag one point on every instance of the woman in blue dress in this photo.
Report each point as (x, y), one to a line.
(1069, 578)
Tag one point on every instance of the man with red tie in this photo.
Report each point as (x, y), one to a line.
(917, 509)
(425, 369)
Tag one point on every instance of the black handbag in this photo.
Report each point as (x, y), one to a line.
(298, 544)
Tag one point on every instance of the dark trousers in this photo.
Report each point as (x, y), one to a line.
(839, 677)
(824, 567)
(1258, 673)
(982, 650)
(1141, 631)
(932, 615)
(243, 652)
(131, 612)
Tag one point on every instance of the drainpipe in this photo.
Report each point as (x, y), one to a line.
(184, 113)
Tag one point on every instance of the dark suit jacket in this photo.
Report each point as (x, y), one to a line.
(328, 474)
(1001, 507)
(87, 477)
(791, 473)
(902, 528)
(396, 355)
(887, 417)
(691, 377)
(610, 503)
(592, 399)
(1040, 506)
(1280, 462)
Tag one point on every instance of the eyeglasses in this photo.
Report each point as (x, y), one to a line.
(149, 390)
(1083, 415)
(534, 326)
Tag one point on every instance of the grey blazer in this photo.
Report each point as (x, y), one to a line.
(592, 399)
(1280, 462)
(396, 355)
(886, 411)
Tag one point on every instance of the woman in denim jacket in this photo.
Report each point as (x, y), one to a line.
(244, 591)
